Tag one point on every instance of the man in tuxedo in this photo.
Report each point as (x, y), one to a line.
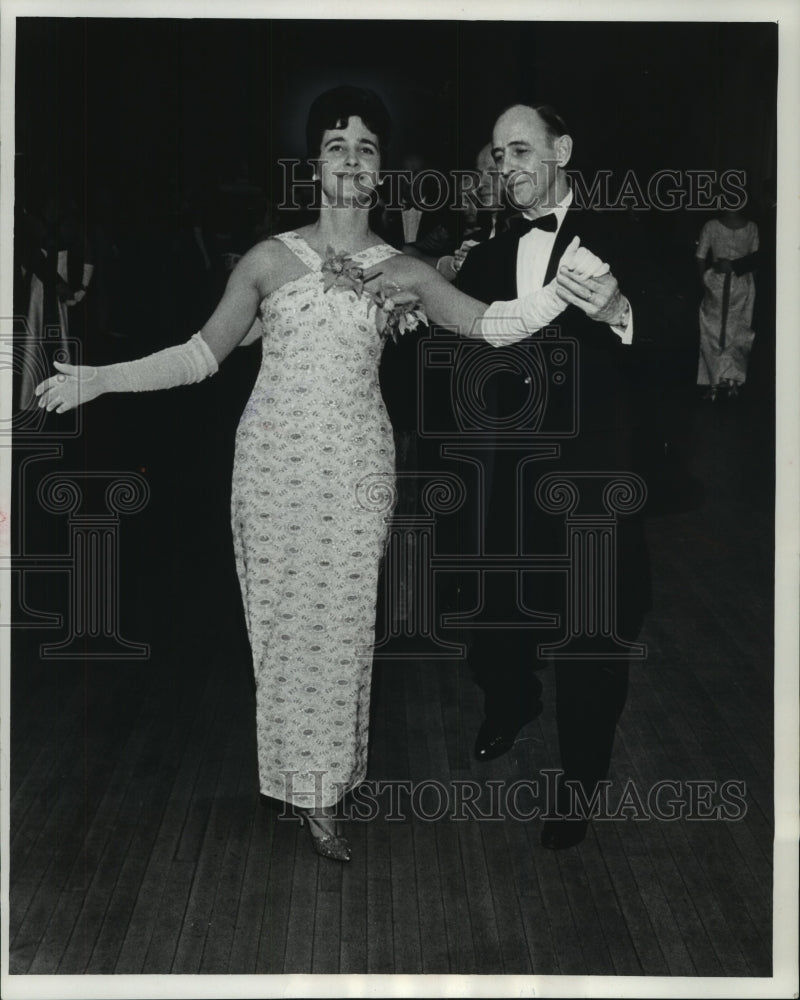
(532, 147)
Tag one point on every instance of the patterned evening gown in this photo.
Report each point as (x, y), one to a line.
(309, 533)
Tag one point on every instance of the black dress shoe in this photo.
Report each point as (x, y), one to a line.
(559, 834)
(497, 735)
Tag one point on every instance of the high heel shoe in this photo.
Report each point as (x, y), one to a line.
(324, 837)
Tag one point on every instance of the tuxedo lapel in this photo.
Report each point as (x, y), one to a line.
(567, 230)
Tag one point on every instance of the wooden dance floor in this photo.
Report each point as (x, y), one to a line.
(139, 843)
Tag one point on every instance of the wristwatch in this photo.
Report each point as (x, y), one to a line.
(626, 315)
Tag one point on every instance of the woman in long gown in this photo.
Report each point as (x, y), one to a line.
(726, 312)
(313, 445)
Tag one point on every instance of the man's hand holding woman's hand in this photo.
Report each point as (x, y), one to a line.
(587, 282)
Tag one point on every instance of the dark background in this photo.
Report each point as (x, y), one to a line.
(153, 105)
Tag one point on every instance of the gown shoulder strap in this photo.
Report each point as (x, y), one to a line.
(300, 249)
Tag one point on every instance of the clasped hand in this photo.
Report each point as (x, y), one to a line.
(596, 292)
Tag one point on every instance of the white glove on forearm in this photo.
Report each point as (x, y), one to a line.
(179, 365)
(508, 322)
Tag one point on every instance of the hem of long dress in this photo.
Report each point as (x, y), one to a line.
(309, 800)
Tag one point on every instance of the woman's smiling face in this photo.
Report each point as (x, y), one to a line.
(349, 163)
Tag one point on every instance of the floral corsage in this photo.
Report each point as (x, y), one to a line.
(396, 310)
(341, 271)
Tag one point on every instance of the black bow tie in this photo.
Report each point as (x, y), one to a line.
(519, 225)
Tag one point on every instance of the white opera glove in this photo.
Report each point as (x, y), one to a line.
(508, 322)
(179, 365)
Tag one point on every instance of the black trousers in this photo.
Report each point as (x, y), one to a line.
(590, 698)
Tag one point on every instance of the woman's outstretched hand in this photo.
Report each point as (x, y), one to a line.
(75, 384)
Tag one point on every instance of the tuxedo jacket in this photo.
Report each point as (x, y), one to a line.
(602, 362)
(594, 414)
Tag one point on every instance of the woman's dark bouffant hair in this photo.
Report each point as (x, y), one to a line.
(333, 109)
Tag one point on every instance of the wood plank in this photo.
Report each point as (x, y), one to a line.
(274, 928)
(353, 946)
(302, 906)
(430, 904)
(613, 847)
(514, 948)
(672, 912)
(122, 905)
(379, 937)
(427, 761)
(252, 900)
(108, 846)
(716, 897)
(213, 799)
(380, 931)
(650, 763)
(596, 957)
(458, 918)
(563, 929)
(168, 919)
(486, 938)
(624, 960)
(708, 690)
(222, 925)
(639, 854)
(68, 949)
(108, 945)
(37, 795)
(551, 886)
(713, 848)
(404, 911)
(536, 919)
(70, 904)
(32, 764)
(679, 881)
(327, 929)
(60, 842)
(194, 725)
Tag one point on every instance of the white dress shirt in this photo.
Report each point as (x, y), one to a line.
(533, 256)
(411, 219)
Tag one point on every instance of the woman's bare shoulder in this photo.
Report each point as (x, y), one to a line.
(267, 265)
(264, 254)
